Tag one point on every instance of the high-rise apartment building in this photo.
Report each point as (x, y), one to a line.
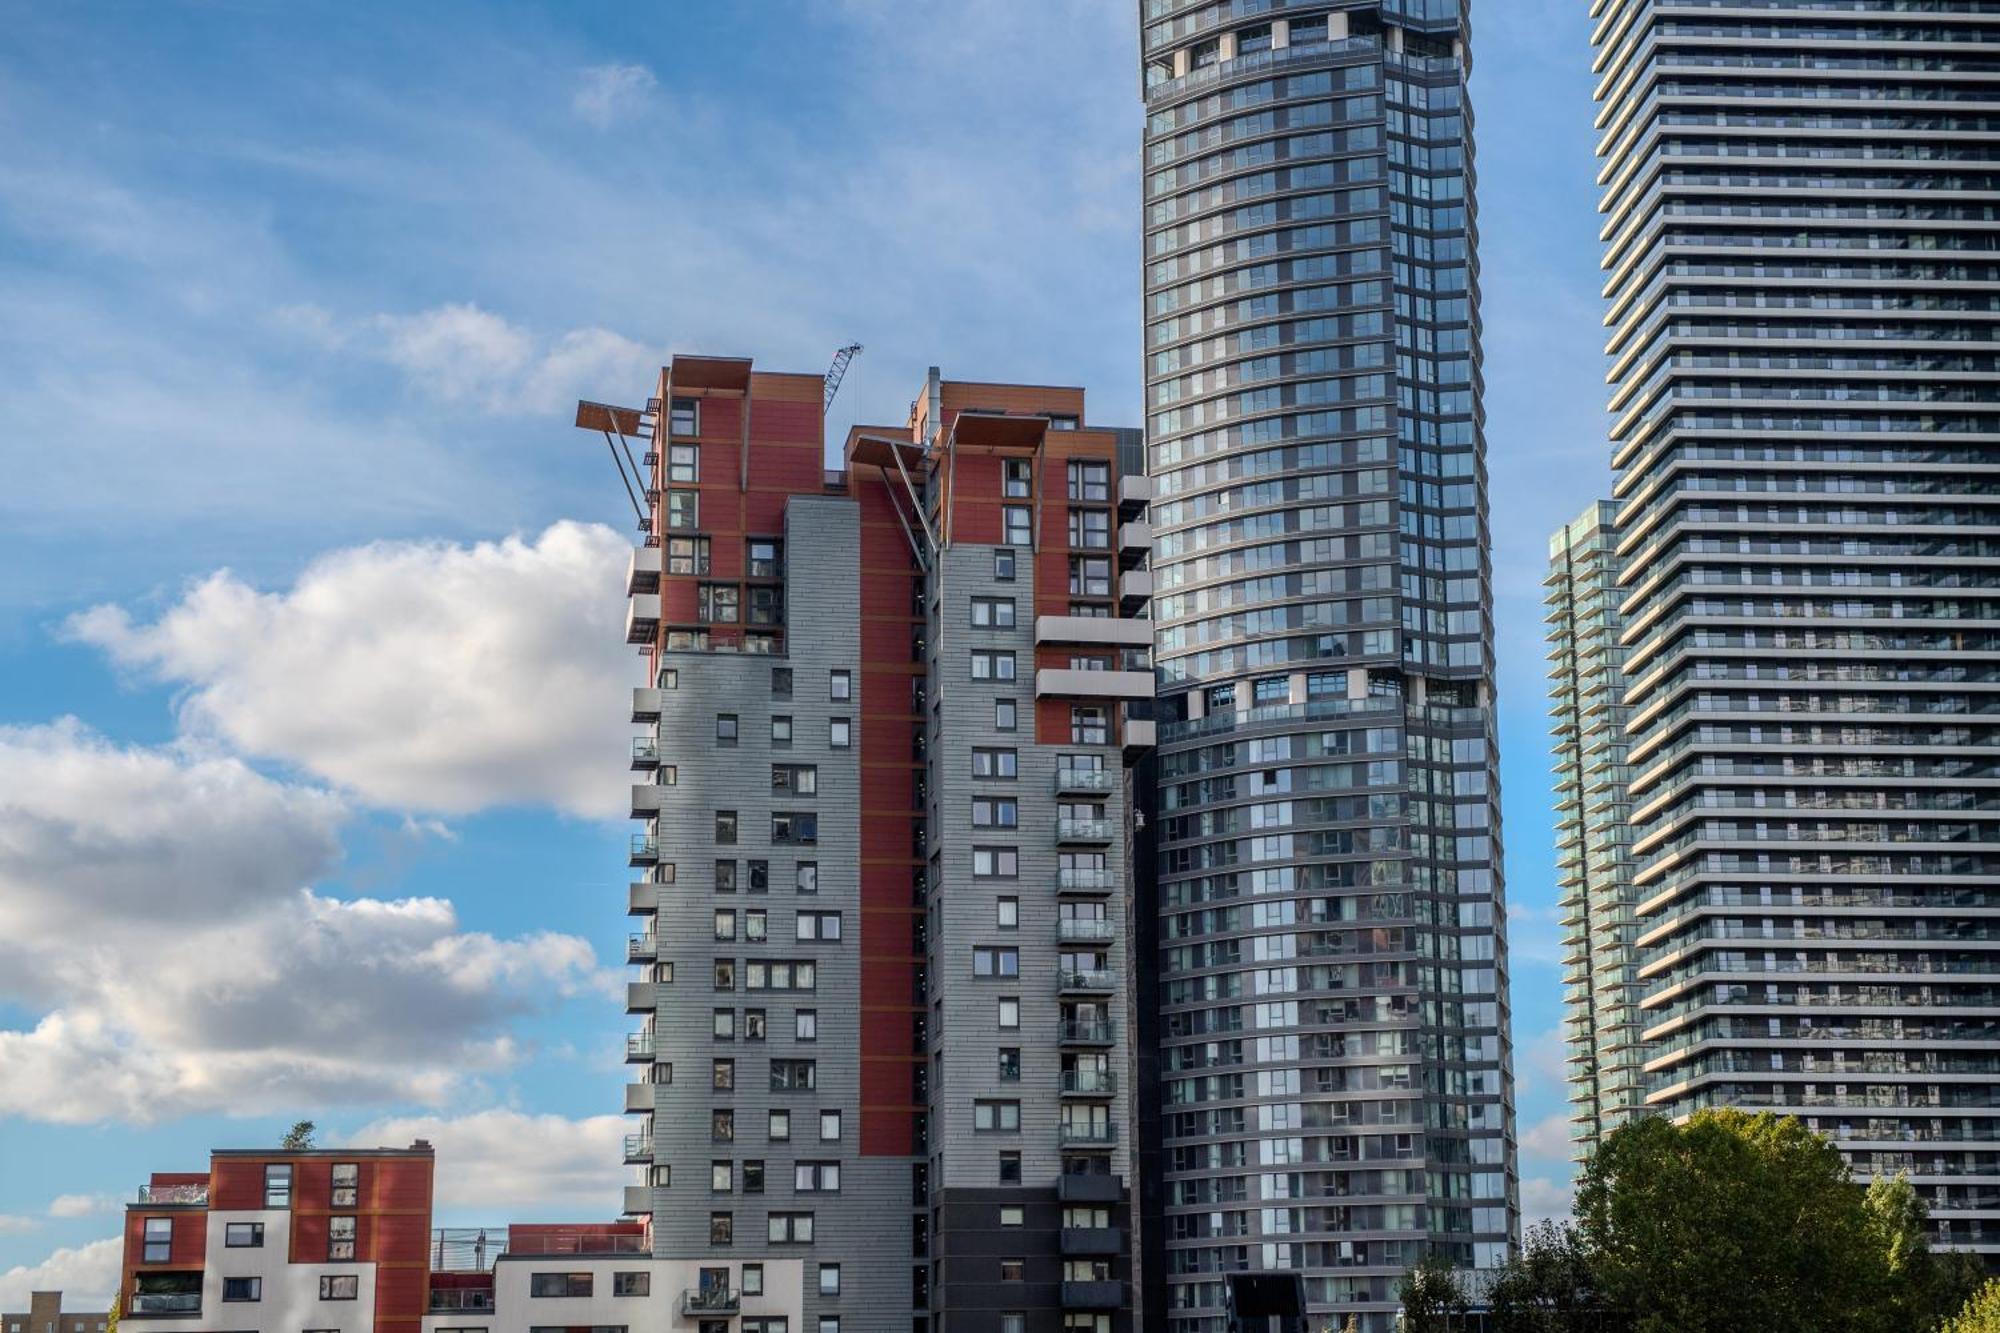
(1593, 827)
(1799, 218)
(1333, 1043)
(883, 1015)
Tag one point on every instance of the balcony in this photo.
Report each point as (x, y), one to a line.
(1068, 683)
(166, 1302)
(1077, 880)
(645, 800)
(1107, 1295)
(639, 1098)
(638, 1148)
(1135, 543)
(1096, 631)
(1137, 729)
(1135, 492)
(639, 1048)
(641, 997)
(1089, 1187)
(638, 1203)
(710, 1301)
(197, 1194)
(1087, 1241)
(1087, 781)
(645, 753)
(642, 571)
(1135, 589)
(1084, 930)
(645, 704)
(461, 1300)
(645, 850)
(1082, 981)
(1085, 1032)
(1095, 832)
(642, 948)
(1089, 1083)
(642, 618)
(643, 898)
(1087, 1136)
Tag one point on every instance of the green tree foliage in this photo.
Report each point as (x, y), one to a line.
(1980, 1315)
(1549, 1287)
(299, 1137)
(1924, 1287)
(1433, 1300)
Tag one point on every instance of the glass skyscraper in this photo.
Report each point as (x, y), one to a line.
(1333, 1022)
(1799, 203)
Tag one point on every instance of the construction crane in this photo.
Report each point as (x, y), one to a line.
(838, 371)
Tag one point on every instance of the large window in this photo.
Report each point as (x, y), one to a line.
(1090, 529)
(816, 1177)
(339, 1287)
(818, 925)
(996, 1116)
(340, 1239)
(1016, 527)
(1016, 477)
(559, 1284)
(278, 1186)
(790, 1229)
(988, 961)
(160, 1240)
(1089, 481)
(236, 1235)
(993, 612)
(995, 764)
(684, 416)
(1089, 576)
(794, 828)
(996, 812)
(632, 1284)
(996, 862)
(991, 664)
(346, 1184)
(797, 779)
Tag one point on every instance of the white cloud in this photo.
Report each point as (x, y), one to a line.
(128, 874)
(82, 1205)
(86, 1275)
(523, 1164)
(13, 1224)
(427, 676)
(607, 94)
(1547, 1139)
(1545, 1200)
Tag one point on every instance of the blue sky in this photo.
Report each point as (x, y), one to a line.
(309, 742)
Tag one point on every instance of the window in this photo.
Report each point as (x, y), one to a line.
(632, 1284)
(1010, 1012)
(998, 1116)
(816, 1177)
(1012, 1215)
(684, 416)
(991, 962)
(725, 924)
(996, 812)
(790, 1229)
(1007, 913)
(340, 1239)
(722, 1075)
(1089, 481)
(236, 1236)
(805, 1025)
(1090, 529)
(1013, 1270)
(1009, 1064)
(560, 1284)
(683, 464)
(779, 976)
(829, 1323)
(722, 1228)
(683, 509)
(753, 1176)
(663, 1176)
(1015, 478)
(781, 731)
(829, 1126)
(1015, 527)
(840, 686)
(725, 729)
(754, 922)
(795, 829)
(765, 559)
(725, 826)
(779, 1128)
(818, 925)
(781, 682)
(829, 1279)
(243, 1289)
(346, 1184)
(1003, 566)
(1089, 576)
(725, 1025)
(805, 877)
(996, 862)
(725, 974)
(993, 613)
(725, 876)
(798, 779)
(722, 1126)
(840, 733)
(1089, 725)
(754, 1025)
(753, 1280)
(721, 1177)
(1010, 1168)
(794, 1075)
(341, 1286)
(991, 664)
(687, 555)
(1004, 715)
(278, 1186)
(995, 764)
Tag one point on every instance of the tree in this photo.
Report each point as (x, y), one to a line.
(1433, 1300)
(1731, 1221)
(1550, 1287)
(299, 1137)
(1980, 1315)
(111, 1318)
(1924, 1287)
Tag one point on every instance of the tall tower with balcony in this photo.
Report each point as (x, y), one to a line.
(1334, 1034)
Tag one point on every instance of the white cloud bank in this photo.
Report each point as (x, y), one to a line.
(155, 914)
(529, 1167)
(86, 1276)
(415, 675)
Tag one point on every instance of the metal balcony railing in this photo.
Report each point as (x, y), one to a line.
(173, 1194)
(1072, 930)
(1083, 780)
(1075, 880)
(710, 1300)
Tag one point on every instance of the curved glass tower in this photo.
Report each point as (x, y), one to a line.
(1333, 977)
(1800, 221)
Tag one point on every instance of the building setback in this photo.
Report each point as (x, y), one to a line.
(1800, 269)
(1593, 828)
(1334, 1039)
(883, 969)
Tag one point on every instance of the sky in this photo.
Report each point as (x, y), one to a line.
(310, 596)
